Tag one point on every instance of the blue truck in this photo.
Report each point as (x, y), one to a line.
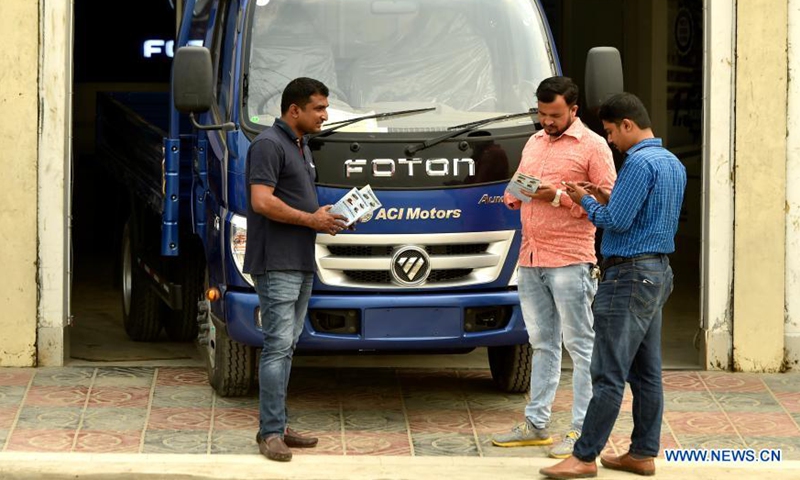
(430, 105)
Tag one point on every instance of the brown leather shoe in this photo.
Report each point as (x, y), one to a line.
(274, 448)
(626, 463)
(294, 440)
(572, 467)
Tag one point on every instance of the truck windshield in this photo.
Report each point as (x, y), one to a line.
(471, 59)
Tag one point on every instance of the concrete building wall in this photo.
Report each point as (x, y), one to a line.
(760, 181)
(792, 322)
(19, 73)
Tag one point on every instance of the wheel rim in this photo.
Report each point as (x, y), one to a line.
(127, 272)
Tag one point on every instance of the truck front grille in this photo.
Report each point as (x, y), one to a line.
(456, 259)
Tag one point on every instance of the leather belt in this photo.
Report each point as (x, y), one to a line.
(614, 261)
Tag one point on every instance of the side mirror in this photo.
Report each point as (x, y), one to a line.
(603, 75)
(192, 86)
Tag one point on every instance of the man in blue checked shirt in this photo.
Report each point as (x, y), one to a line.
(640, 219)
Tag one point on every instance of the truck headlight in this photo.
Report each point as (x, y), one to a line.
(514, 281)
(238, 239)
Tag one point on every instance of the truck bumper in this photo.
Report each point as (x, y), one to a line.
(392, 322)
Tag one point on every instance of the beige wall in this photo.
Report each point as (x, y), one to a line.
(760, 175)
(19, 59)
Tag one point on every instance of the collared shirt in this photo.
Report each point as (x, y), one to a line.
(642, 213)
(560, 236)
(278, 158)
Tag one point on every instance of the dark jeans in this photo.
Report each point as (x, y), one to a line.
(627, 346)
(283, 297)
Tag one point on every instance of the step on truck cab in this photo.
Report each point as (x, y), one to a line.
(431, 104)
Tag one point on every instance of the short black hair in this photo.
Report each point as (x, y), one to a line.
(624, 105)
(553, 86)
(299, 92)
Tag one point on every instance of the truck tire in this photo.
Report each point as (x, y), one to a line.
(232, 373)
(181, 325)
(141, 307)
(511, 367)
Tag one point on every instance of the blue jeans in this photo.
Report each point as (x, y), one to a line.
(627, 323)
(556, 303)
(283, 297)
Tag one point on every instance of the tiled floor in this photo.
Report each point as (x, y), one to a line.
(365, 411)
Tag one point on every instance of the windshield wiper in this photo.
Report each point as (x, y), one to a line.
(465, 128)
(344, 123)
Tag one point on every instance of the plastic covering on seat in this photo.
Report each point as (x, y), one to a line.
(286, 45)
(441, 60)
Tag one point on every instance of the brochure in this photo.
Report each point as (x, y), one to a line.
(520, 182)
(356, 204)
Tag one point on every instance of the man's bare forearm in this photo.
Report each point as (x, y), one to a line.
(275, 209)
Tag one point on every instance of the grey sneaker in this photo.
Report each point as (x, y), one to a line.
(564, 448)
(523, 435)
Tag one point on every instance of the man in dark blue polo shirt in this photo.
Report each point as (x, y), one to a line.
(640, 219)
(283, 218)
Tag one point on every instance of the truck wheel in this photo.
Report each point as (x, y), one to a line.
(511, 367)
(141, 307)
(229, 363)
(181, 325)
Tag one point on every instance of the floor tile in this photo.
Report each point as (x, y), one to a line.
(368, 443)
(497, 401)
(764, 424)
(11, 396)
(3, 436)
(789, 400)
(782, 382)
(370, 399)
(789, 446)
(49, 418)
(56, 396)
(390, 421)
(173, 396)
(40, 440)
(699, 423)
(747, 402)
(689, 401)
(733, 382)
(179, 419)
(236, 419)
(63, 377)
(16, 376)
(442, 421)
(709, 441)
(7, 416)
(176, 441)
(119, 397)
(236, 402)
(114, 419)
(444, 444)
(234, 442)
(124, 377)
(182, 376)
(428, 400)
(682, 382)
(107, 442)
(313, 398)
(495, 421)
(316, 420)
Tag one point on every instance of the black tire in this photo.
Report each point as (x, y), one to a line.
(231, 375)
(141, 306)
(511, 367)
(181, 325)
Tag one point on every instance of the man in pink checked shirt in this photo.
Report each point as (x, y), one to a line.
(557, 281)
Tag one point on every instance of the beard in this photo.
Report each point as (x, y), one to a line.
(558, 133)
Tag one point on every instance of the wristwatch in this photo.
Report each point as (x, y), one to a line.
(557, 199)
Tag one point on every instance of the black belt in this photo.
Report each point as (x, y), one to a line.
(614, 261)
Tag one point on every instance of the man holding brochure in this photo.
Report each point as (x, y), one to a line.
(283, 218)
(557, 281)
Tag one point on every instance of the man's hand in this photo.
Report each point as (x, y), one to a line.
(599, 193)
(575, 191)
(545, 193)
(324, 221)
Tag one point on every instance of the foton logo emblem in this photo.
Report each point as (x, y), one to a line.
(410, 266)
(433, 167)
